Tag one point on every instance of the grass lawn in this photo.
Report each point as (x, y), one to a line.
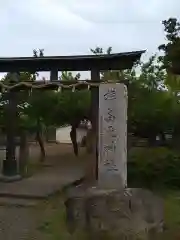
(54, 225)
(172, 215)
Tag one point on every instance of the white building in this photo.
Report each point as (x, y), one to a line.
(63, 134)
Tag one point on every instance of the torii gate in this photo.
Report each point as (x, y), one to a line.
(93, 63)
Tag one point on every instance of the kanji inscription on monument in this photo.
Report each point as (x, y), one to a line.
(112, 163)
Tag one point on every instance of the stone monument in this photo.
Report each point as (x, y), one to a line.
(112, 164)
(110, 210)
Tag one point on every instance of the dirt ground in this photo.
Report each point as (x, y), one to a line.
(44, 220)
(55, 153)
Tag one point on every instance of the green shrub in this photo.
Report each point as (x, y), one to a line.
(153, 167)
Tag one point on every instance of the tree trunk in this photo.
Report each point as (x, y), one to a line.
(90, 141)
(39, 139)
(163, 139)
(152, 139)
(73, 137)
(23, 153)
(175, 139)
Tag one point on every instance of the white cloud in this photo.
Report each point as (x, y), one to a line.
(52, 14)
(66, 27)
(123, 11)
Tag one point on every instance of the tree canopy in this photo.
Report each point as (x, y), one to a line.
(153, 90)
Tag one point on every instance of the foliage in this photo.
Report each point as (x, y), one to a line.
(152, 108)
(171, 53)
(71, 107)
(172, 48)
(154, 167)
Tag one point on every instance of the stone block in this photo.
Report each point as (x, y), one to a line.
(130, 213)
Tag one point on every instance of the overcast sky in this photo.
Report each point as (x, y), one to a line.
(67, 27)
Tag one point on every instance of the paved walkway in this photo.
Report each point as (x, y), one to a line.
(20, 215)
(43, 184)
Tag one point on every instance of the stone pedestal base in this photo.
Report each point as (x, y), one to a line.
(129, 214)
(9, 168)
(4, 178)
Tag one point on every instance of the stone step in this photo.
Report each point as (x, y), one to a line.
(18, 202)
(34, 191)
